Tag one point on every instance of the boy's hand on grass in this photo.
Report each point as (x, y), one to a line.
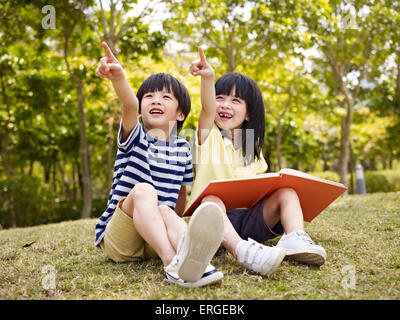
(200, 67)
(109, 67)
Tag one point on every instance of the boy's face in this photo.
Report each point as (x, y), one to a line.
(159, 110)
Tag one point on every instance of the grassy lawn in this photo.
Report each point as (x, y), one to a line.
(361, 235)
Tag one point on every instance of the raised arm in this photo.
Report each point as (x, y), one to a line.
(201, 68)
(110, 68)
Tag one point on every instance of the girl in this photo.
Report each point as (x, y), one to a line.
(231, 129)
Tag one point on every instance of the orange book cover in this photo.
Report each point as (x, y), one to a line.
(315, 194)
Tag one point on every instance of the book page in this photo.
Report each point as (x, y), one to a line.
(297, 173)
(258, 176)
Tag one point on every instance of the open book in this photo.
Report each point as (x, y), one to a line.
(315, 194)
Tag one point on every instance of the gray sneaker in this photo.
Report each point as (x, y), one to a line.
(301, 248)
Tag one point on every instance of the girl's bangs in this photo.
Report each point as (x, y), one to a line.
(229, 82)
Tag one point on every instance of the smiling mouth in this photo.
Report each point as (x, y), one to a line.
(225, 115)
(156, 111)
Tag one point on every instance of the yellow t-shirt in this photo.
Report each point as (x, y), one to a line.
(217, 159)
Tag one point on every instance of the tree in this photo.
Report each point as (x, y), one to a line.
(230, 30)
(345, 32)
(73, 31)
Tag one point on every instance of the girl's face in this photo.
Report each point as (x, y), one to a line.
(159, 109)
(231, 111)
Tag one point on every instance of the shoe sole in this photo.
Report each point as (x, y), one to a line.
(314, 257)
(202, 282)
(205, 281)
(202, 240)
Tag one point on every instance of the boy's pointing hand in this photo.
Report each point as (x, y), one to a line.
(200, 67)
(109, 67)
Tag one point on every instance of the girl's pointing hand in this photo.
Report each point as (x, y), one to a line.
(200, 67)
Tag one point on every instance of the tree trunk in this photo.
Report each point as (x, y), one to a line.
(83, 147)
(398, 81)
(65, 181)
(111, 41)
(352, 168)
(4, 149)
(345, 130)
(110, 151)
(278, 143)
(84, 155)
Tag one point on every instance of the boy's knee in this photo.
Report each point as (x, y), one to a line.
(165, 211)
(142, 189)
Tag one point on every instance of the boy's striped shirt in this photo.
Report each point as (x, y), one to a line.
(166, 165)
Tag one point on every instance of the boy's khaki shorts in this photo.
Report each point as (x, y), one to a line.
(122, 242)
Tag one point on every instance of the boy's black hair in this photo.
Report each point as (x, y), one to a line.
(249, 91)
(158, 82)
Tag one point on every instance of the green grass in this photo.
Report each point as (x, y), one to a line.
(359, 232)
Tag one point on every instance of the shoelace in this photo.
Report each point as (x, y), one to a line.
(305, 237)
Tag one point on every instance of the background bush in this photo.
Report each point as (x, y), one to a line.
(38, 207)
(375, 181)
(327, 175)
(382, 181)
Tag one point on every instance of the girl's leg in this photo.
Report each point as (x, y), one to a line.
(254, 256)
(284, 205)
(141, 204)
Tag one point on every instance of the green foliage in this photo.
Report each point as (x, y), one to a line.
(33, 202)
(68, 210)
(27, 199)
(382, 181)
(327, 175)
(376, 182)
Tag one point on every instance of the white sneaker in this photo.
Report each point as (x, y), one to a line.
(301, 248)
(200, 242)
(258, 257)
(210, 276)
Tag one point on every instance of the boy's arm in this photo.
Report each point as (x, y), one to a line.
(208, 104)
(111, 69)
(181, 202)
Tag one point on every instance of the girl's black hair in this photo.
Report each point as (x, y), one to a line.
(158, 82)
(249, 91)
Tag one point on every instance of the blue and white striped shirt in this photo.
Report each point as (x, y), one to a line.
(166, 165)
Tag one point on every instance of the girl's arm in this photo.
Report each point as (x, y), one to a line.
(111, 69)
(201, 68)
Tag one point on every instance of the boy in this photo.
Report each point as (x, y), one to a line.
(151, 170)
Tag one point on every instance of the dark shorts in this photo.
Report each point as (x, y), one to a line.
(250, 223)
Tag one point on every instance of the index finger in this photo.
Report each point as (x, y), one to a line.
(202, 55)
(107, 49)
